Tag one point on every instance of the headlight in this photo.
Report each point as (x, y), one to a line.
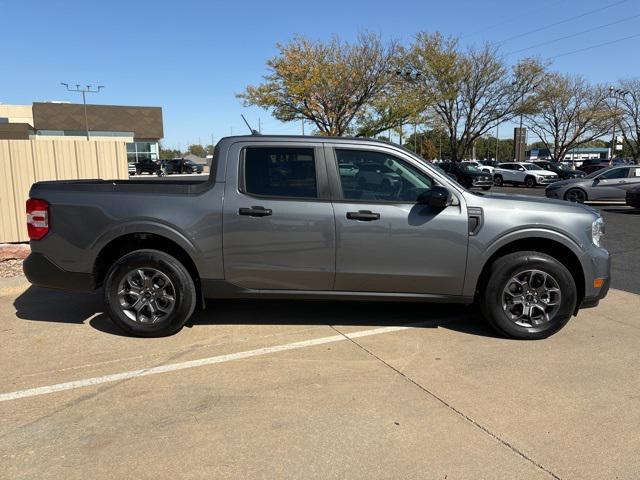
(597, 231)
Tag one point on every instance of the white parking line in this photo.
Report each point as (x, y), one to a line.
(172, 367)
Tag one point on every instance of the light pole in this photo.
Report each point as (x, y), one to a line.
(615, 93)
(84, 91)
(497, 140)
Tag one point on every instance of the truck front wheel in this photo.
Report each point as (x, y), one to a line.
(149, 294)
(529, 295)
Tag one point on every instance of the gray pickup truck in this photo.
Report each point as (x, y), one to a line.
(315, 218)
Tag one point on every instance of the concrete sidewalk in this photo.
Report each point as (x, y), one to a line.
(446, 399)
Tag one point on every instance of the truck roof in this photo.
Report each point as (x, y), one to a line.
(297, 138)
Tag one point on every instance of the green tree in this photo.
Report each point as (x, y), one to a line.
(169, 153)
(471, 89)
(572, 113)
(326, 83)
(628, 116)
(197, 150)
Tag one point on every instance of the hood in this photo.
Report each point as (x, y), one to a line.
(543, 173)
(516, 201)
(568, 181)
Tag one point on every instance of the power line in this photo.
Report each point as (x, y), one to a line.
(509, 20)
(520, 35)
(573, 35)
(595, 46)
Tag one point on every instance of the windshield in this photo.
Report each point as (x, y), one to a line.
(597, 173)
(530, 166)
(470, 168)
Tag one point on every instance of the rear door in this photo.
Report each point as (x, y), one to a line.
(278, 227)
(385, 241)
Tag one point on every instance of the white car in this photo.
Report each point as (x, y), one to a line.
(526, 173)
(479, 166)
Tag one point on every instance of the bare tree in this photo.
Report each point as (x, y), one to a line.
(570, 113)
(326, 83)
(472, 89)
(628, 115)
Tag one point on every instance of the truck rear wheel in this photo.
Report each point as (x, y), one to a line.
(149, 294)
(529, 296)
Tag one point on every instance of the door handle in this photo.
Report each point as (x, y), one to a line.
(364, 215)
(255, 211)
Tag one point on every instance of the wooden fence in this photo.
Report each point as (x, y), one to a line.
(23, 162)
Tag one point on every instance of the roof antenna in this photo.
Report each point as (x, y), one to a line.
(253, 132)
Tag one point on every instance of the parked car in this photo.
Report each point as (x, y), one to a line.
(131, 167)
(480, 166)
(147, 166)
(563, 171)
(633, 197)
(611, 183)
(468, 175)
(522, 173)
(276, 219)
(181, 165)
(591, 165)
(377, 175)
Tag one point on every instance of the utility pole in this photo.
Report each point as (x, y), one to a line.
(415, 138)
(497, 140)
(259, 127)
(615, 93)
(302, 123)
(84, 91)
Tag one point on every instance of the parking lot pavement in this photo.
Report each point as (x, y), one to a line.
(315, 390)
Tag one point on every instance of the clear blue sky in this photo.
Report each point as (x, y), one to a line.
(191, 57)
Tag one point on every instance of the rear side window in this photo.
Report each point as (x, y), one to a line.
(280, 172)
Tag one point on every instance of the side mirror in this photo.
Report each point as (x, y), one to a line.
(436, 197)
(521, 169)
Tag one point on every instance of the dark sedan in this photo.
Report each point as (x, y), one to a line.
(564, 172)
(633, 197)
(469, 176)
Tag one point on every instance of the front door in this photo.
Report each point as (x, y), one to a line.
(278, 228)
(385, 241)
(611, 184)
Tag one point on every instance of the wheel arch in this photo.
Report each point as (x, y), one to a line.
(129, 242)
(546, 245)
(586, 195)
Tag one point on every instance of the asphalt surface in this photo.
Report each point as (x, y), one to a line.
(285, 389)
(622, 238)
(314, 390)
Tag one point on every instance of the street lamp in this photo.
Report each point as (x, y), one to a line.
(616, 93)
(84, 91)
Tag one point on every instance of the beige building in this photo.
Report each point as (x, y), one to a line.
(140, 128)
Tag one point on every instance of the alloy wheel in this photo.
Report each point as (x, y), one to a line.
(146, 295)
(531, 298)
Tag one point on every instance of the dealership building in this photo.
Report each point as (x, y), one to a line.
(140, 128)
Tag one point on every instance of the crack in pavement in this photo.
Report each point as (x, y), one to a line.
(475, 423)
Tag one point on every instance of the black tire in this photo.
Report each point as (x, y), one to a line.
(575, 195)
(183, 291)
(138, 172)
(497, 180)
(501, 274)
(530, 182)
(486, 188)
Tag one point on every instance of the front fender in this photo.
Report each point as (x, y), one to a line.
(480, 252)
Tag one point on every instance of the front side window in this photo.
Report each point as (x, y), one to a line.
(615, 173)
(378, 176)
(280, 172)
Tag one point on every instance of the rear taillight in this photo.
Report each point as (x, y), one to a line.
(37, 218)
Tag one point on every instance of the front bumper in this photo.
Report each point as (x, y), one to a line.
(42, 272)
(596, 265)
(547, 180)
(633, 199)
